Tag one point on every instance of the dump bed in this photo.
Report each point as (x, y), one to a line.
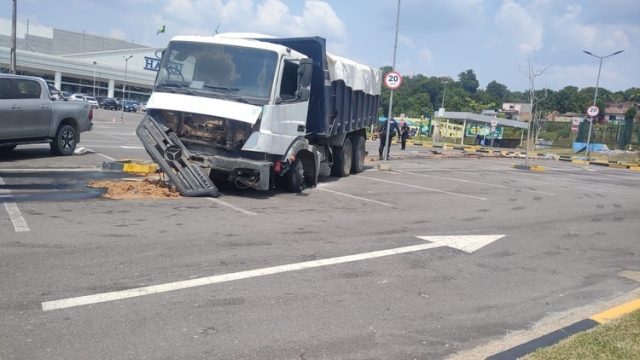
(344, 94)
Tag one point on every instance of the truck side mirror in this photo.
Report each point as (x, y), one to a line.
(305, 70)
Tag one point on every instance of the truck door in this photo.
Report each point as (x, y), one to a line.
(10, 125)
(35, 107)
(290, 112)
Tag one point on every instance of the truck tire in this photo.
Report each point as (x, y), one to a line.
(357, 163)
(6, 148)
(342, 157)
(294, 178)
(64, 143)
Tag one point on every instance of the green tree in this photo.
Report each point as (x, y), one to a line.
(468, 81)
(497, 91)
(629, 116)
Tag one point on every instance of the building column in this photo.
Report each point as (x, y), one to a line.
(111, 90)
(57, 80)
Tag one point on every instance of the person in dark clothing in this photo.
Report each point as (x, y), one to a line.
(382, 134)
(404, 135)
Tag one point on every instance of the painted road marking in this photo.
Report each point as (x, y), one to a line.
(354, 197)
(106, 156)
(127, 147)
(18, 221)
(420, 187)
(231, 206)
(451, 241)
(37, 170)
(616, 312)
(474, 182)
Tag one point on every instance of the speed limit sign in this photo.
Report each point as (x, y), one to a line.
(593, 111)
(392, 80)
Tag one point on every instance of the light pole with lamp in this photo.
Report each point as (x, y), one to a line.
(124, 85)
(595, 96)
(94, 78)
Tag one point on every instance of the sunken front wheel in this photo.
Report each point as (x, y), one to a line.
(64, 143)
(295, 177)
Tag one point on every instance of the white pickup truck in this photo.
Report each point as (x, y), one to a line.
(31, 111)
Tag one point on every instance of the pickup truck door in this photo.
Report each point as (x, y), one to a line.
(10, 124)
(35, 106)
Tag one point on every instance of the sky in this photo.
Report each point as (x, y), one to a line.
(495, 38)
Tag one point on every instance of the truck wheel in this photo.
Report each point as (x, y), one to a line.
(6, 148)
(64, 143)
(342, 157)
(294, 178)
(357, 165)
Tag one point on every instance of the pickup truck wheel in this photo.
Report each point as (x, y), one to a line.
(294, 178)
(6, 148)
(342, 157)
(357, 165)
(65, 141)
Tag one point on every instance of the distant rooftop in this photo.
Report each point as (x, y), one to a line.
(51, 41)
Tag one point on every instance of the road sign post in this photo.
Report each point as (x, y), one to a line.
(592, 111)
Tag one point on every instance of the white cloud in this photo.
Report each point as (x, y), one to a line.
(518, 28)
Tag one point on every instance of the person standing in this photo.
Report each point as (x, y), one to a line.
(382, 134)
(404, 135)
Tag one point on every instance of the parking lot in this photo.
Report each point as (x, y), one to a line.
(445, 254)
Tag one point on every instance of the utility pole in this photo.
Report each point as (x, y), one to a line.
(124, 85)
(12, 65)
(393, 68)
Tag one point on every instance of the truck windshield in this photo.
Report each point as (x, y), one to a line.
(241, 73)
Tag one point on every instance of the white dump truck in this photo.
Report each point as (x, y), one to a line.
(257, 112)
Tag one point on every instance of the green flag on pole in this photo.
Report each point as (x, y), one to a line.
(161, 30)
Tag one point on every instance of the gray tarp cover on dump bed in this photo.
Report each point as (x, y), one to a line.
(357, 76)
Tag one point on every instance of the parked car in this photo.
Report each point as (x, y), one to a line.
(32, 111)
(111, 104)
(129, 106)
(83, 97)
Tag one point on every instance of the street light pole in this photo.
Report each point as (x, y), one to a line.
(393, 67)
(124, 85)
(595, 96)
(94, 78)
(444, 92)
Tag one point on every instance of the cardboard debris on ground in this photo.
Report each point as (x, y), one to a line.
(126, 189)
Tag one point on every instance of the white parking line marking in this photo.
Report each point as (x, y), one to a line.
(113, 136)
(231, 206)
(48, 170)
(18, 221)
(128, 147)
(355, 197)
(420, 187)
(467, 243)
(475, 182)
(106, 157)
(178, 285)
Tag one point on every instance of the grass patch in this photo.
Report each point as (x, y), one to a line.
(618, 340)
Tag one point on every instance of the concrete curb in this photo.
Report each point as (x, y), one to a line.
(536, 168)
(130, 166)
(554, 337)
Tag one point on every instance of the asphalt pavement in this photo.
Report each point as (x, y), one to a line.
(437, 257)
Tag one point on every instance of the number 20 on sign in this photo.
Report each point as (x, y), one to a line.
(392, 80)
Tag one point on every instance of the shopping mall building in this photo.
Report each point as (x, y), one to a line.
(80, 62)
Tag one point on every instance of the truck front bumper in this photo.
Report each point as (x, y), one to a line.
(251, 173)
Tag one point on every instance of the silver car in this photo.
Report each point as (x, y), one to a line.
(31, 111)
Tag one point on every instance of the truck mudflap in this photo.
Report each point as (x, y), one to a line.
(172, 156)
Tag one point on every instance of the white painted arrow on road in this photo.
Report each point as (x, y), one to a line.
(468, 243)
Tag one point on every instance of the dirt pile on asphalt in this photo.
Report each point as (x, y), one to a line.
(132, 189)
